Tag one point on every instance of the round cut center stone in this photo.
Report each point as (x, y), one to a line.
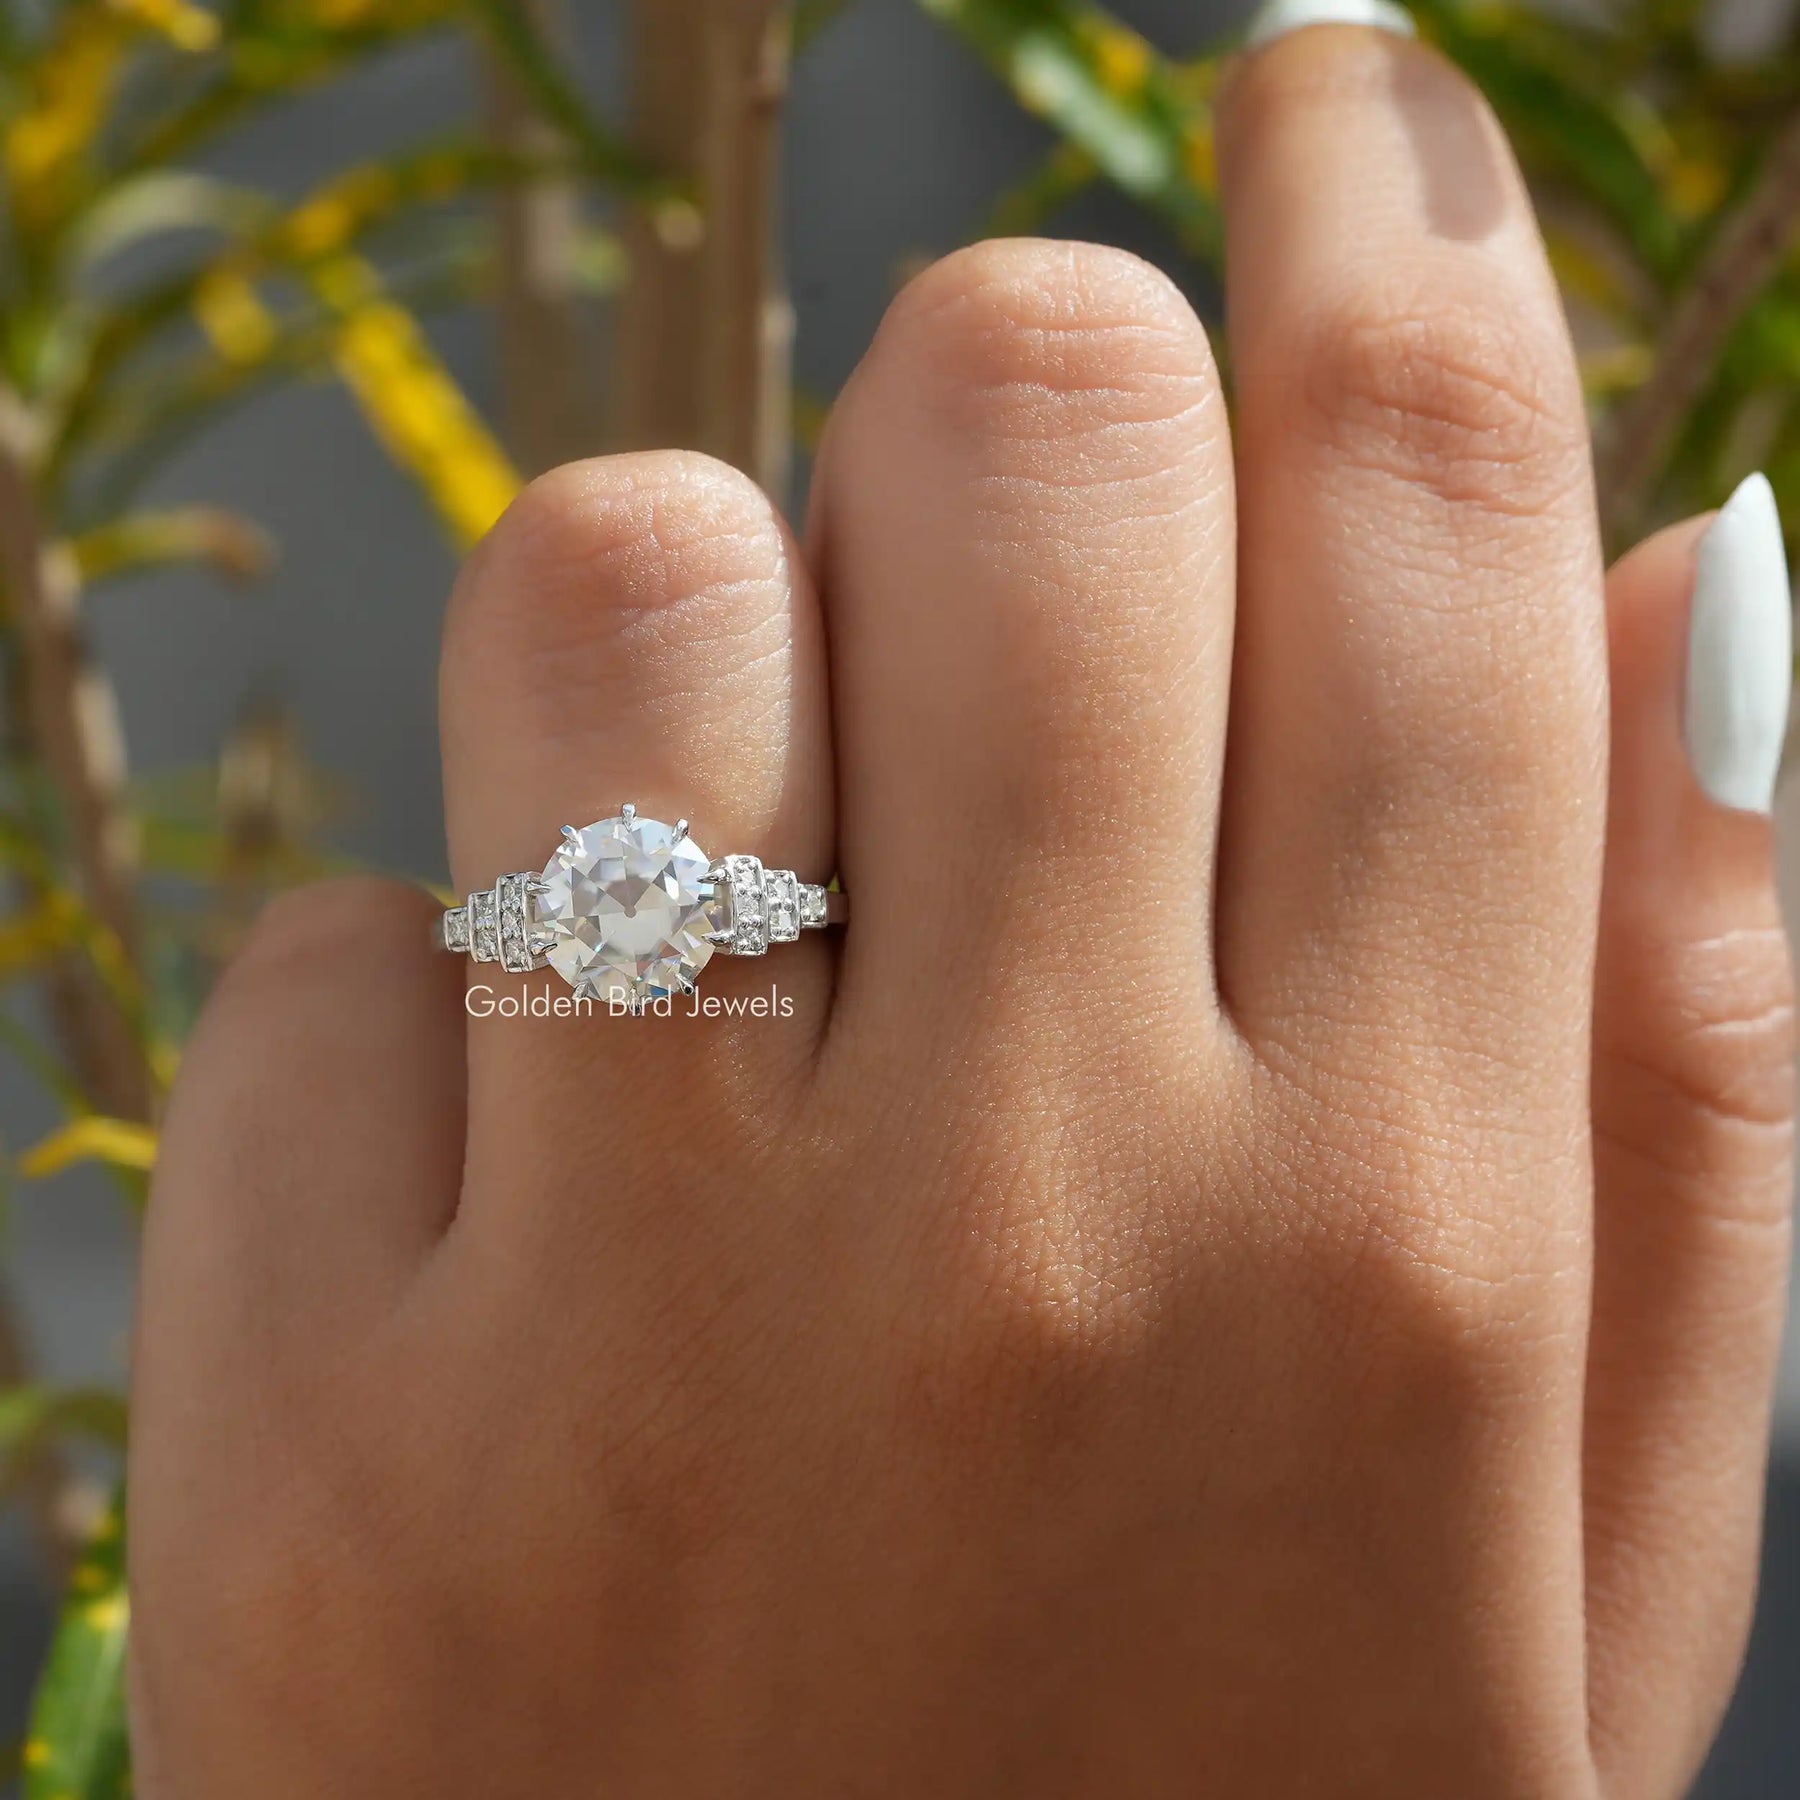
(629, 909)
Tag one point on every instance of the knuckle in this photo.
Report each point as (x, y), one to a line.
(1700, 1073)
(1417, 1258)
(1421, 1306)
(1732, 1054)
(1044, 1300)
(1006, 337)
(1442, 380)
(615, 540)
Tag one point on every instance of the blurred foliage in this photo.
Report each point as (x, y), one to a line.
(77, 1745)
(1120, 109)
(30, 1414)
(143, 297)
(1643, 150)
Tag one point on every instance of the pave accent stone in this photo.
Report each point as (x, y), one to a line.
(512, 898)
(484, 932)
(456, 929)
(746, 919)
(812, 907)
(626, 912)
(781, 904)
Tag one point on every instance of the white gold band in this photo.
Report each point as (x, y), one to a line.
(769, 906)
(629, 911)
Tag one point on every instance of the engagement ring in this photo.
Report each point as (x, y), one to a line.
(629, 911)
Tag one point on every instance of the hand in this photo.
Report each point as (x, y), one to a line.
(1244, 1273)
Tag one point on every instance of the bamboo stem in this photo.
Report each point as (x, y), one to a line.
(66, 723)
(1741, 260)
(71, 725)
(705, 329)
(547, 379)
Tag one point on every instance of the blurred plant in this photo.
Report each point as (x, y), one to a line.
(1668, 177)
(1668, 180)
(140, 299)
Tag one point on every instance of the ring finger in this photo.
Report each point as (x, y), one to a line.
(637, 628)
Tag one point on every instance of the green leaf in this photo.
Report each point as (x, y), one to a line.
(77, 1747)
(98, 944)
(146, 423)
(534, 66)
(32, 938)
(1145, 121)
(157, 201)
(140, 541)
(30, 1415)
(344, 212)
(1065, 173)
(273, 52)
(1758, 378)
(31, 1053)
(812, 18)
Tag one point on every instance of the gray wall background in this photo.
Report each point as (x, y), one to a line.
(898, 142)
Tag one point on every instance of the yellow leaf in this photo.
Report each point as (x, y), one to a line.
(360, 15)
(414, 406)
(164, 1058)
(1121, 59)
(186, 26)
(1697, 185)
(154, 538)
(72, 86)
(233, 316)
(1198, 157)
(1585, 273)
(329, 219)
(32, 938)
(1616, 370)
(92, 1138)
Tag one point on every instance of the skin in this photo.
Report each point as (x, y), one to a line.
(1083, 1350)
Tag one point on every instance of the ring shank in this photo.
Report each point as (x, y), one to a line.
(478, 928)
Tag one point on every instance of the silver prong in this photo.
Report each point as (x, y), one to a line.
(681, 828)
(640, 997)
(686, 983)
(627, 812)
(571, 840)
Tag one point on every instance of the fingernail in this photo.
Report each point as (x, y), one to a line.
(1276, 18)
(1740, 672)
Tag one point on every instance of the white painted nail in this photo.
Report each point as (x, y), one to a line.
(1740, 672)
(1276, 18)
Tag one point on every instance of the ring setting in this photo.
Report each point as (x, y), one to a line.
(629, 910)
